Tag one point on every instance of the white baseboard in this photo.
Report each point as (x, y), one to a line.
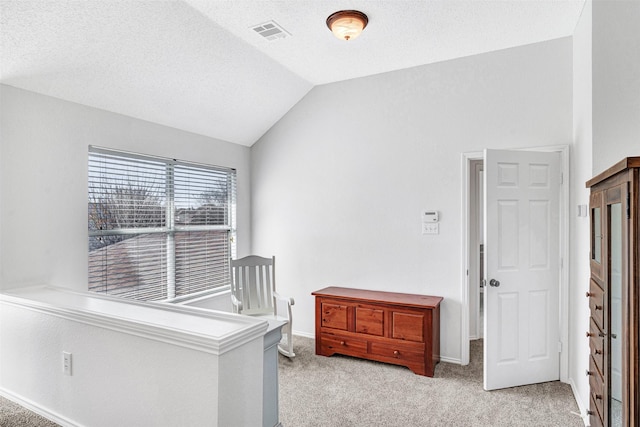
(304, 334)
(33, 407)
(450, 360)
(581, 407)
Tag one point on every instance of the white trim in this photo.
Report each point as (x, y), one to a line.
(81, 307)
(583, 409)
(466, 159)
(451, 360)
(466, 167)
(304, 334)
(201, 296)
(33, 407)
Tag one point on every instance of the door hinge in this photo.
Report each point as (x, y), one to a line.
(559, 346)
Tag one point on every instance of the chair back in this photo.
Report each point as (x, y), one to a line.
(253, 283)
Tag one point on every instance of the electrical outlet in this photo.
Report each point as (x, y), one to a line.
(66, 363)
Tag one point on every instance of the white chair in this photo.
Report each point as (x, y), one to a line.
(253, 293)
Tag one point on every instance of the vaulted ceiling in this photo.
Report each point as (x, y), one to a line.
(199, 65)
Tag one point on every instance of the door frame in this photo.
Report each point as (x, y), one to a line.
(476, 195)
(467, 248)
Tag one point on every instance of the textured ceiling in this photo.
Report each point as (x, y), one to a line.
(197, 65)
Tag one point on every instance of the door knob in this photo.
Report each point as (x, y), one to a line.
(494, 283)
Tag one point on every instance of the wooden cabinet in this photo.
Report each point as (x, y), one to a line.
(403, 329)
(613, 295)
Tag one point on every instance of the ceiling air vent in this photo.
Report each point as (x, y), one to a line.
(271, 31)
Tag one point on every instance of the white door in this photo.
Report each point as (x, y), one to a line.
(522, 262)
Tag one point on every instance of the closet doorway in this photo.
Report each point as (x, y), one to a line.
(476, 244)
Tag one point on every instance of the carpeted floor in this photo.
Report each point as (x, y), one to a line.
(14, 415)
(343, 391)
(340, 391)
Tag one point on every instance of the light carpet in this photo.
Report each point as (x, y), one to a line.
(344, 391)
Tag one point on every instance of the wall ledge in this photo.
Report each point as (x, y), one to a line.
(204, 330)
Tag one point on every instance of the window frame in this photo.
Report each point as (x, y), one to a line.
(171, 227)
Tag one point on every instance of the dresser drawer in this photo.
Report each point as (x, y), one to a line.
(597, 393)
(595, 417)
(596, 303)
(595, 369)
(596, 347)
(397, 352)
(343, 345)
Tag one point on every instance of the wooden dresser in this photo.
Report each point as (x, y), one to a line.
(614, 290)
(403, 329)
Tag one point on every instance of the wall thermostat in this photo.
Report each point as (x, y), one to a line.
(430, 216)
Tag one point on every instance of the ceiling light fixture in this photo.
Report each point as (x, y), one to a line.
(347, 24)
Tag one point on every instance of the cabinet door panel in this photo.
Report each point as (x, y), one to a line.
(369, 321)
(596, 217)
(407, 326)
(334, 316)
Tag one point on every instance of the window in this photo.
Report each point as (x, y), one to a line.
(159, 229)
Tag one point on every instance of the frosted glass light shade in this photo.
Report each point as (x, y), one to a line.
(347, 24)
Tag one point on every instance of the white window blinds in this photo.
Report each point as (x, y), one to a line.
(158, 228)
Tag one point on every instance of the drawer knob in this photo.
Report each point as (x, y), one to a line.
(600, 334)
(396, 353)
(598, 307)
(589, 294)
(598, 351)
(598, 397)
(589, 373)
(590, 413)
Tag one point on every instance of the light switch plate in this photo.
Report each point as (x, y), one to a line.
(583, 210)
(66, 363)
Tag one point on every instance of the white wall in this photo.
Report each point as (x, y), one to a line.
(339, 183)
(580, 173)
(616, 82)
(43, 179)
(131, 365)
